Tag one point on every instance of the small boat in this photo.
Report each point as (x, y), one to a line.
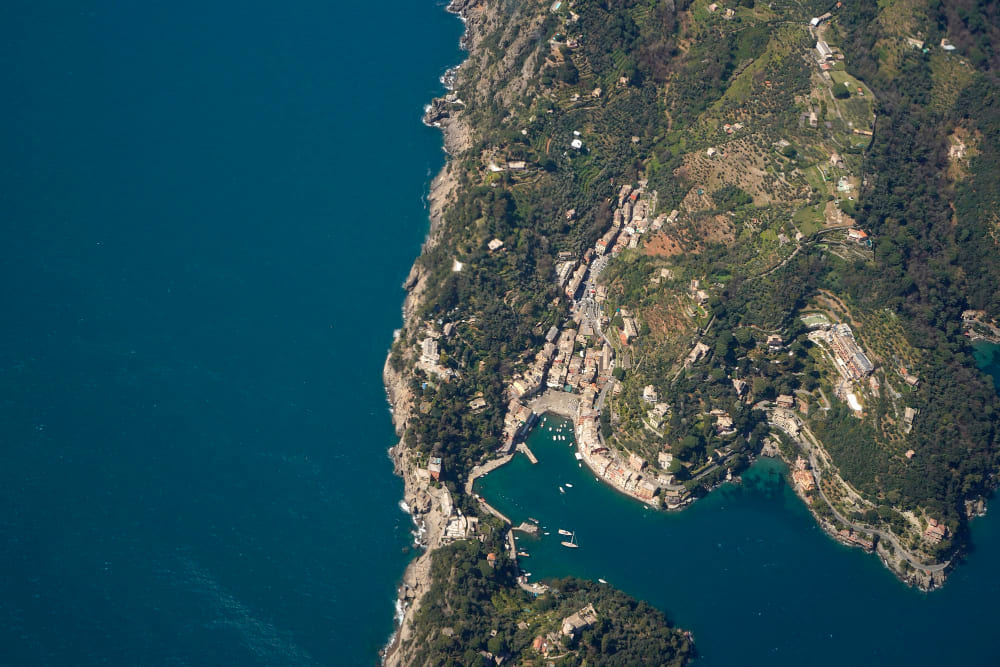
(568, 485)
(545, 533)
(523, 554)
(572, 542)
(602, 581)
(564, 532)
(532, 519)
(562, 490)
(578, 456)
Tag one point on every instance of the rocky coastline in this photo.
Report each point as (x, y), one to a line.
(419, 496)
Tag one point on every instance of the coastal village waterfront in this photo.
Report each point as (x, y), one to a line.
(749, 540)
(573, 371)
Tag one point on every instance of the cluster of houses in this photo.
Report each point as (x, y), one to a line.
(628, 472)
(559, 366)
(629, 222)
(569, 361)
(556, 365)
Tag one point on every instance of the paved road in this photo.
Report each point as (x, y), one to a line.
(985, 325)
(888, 537)
(591, 312)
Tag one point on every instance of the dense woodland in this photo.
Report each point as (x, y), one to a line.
(475, 608)
(932, 262)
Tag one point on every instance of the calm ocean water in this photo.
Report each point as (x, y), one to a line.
(208, 209)
(748, 570)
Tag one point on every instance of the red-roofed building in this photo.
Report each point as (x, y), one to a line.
(935, 532)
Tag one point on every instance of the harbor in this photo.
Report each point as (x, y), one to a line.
(747, 539)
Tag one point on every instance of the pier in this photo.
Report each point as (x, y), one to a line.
(524, 449)
(484, 469)
(494, 511)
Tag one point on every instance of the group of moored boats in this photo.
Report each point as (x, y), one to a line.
(558, 436)
(571, 543)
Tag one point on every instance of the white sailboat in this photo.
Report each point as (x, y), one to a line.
(572, 542)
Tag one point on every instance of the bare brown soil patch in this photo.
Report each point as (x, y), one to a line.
(834, 217)
(662, 244)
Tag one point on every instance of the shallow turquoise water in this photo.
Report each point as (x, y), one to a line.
(988, 359)
(748, 571)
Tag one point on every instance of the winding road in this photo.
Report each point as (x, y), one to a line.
(888, 537)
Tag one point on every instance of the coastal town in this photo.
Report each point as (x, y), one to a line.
(579, 359)
(573, 374)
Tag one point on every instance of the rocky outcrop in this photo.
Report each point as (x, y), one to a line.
(421, 498)
(425, 505)
(925, 581)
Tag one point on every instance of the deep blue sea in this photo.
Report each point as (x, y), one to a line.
(207, 211)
